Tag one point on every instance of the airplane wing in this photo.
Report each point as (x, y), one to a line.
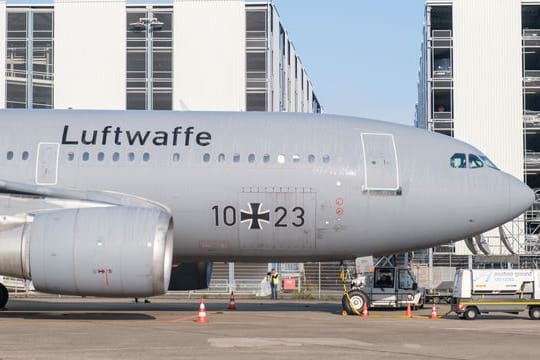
(62, 198)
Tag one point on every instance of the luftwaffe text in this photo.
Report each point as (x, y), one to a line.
(118, 136)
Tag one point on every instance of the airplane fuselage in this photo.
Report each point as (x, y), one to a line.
(253, 186)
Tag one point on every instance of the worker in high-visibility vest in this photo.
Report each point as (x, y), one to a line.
(273, 278)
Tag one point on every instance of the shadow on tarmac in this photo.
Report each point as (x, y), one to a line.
(103, 309)
(73, 316)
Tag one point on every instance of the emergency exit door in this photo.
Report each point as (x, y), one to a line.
(380, 162)
(47, 164)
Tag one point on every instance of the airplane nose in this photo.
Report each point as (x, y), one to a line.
(521, 196)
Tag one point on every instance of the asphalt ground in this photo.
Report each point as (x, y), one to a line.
(90, 328)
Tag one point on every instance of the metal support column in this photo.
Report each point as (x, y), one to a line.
(232, 282)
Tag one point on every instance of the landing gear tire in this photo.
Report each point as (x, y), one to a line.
(358, 299)
(471, 313)
(534, 313)
(4, 296)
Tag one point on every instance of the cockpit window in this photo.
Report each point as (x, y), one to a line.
(475, 162)
(458, 160)
(488, 162)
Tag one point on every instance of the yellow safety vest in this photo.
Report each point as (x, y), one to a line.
(274, 279)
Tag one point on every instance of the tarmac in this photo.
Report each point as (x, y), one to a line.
(91, 328)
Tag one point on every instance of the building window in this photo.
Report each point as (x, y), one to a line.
(256, 59)
(149, 59)
(29, 59)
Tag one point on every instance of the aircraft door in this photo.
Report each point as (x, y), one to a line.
(380, 162)
(47, 164)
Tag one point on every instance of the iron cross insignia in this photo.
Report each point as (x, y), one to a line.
(254, 217)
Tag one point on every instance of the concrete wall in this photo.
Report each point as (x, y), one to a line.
(209, 61)
(487, 79)
(90, 54)
(3, 21)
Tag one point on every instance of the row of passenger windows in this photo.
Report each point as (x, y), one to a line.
(10, 155)
(207, 157)
(462, 161)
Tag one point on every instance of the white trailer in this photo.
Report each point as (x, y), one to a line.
(497, 290)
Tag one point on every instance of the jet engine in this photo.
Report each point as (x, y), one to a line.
(103, 251)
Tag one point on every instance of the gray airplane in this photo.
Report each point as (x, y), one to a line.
(122, 203)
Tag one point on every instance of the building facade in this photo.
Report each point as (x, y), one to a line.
(479, 81)
(163, 55)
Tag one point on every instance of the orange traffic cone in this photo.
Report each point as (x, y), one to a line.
(365, 312)
(201, 319)
(433, 312)
(232, 305)
(409, 311)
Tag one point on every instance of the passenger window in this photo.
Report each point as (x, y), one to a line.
(100, 156)
(176, 157)
(458, 161)
(25, 155)
(85, 156)
(251, 158)
(146, 157)
(206, 157)
(131, 156)
(296, 158)
(236, 158)
(221, 158)
(266, 158)
(326, 159)
(9, 155)
(475, 162)
(116, 156)
(70, 156)
(281, 159)
(311, 158)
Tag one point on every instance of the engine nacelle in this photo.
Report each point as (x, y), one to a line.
(191, 276)
(103, 251)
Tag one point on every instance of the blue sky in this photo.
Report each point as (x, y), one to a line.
(361, 55)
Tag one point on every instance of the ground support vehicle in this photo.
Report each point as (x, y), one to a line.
(496, 290)
(385, 287)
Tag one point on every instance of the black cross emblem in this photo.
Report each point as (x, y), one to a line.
(254, 216)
